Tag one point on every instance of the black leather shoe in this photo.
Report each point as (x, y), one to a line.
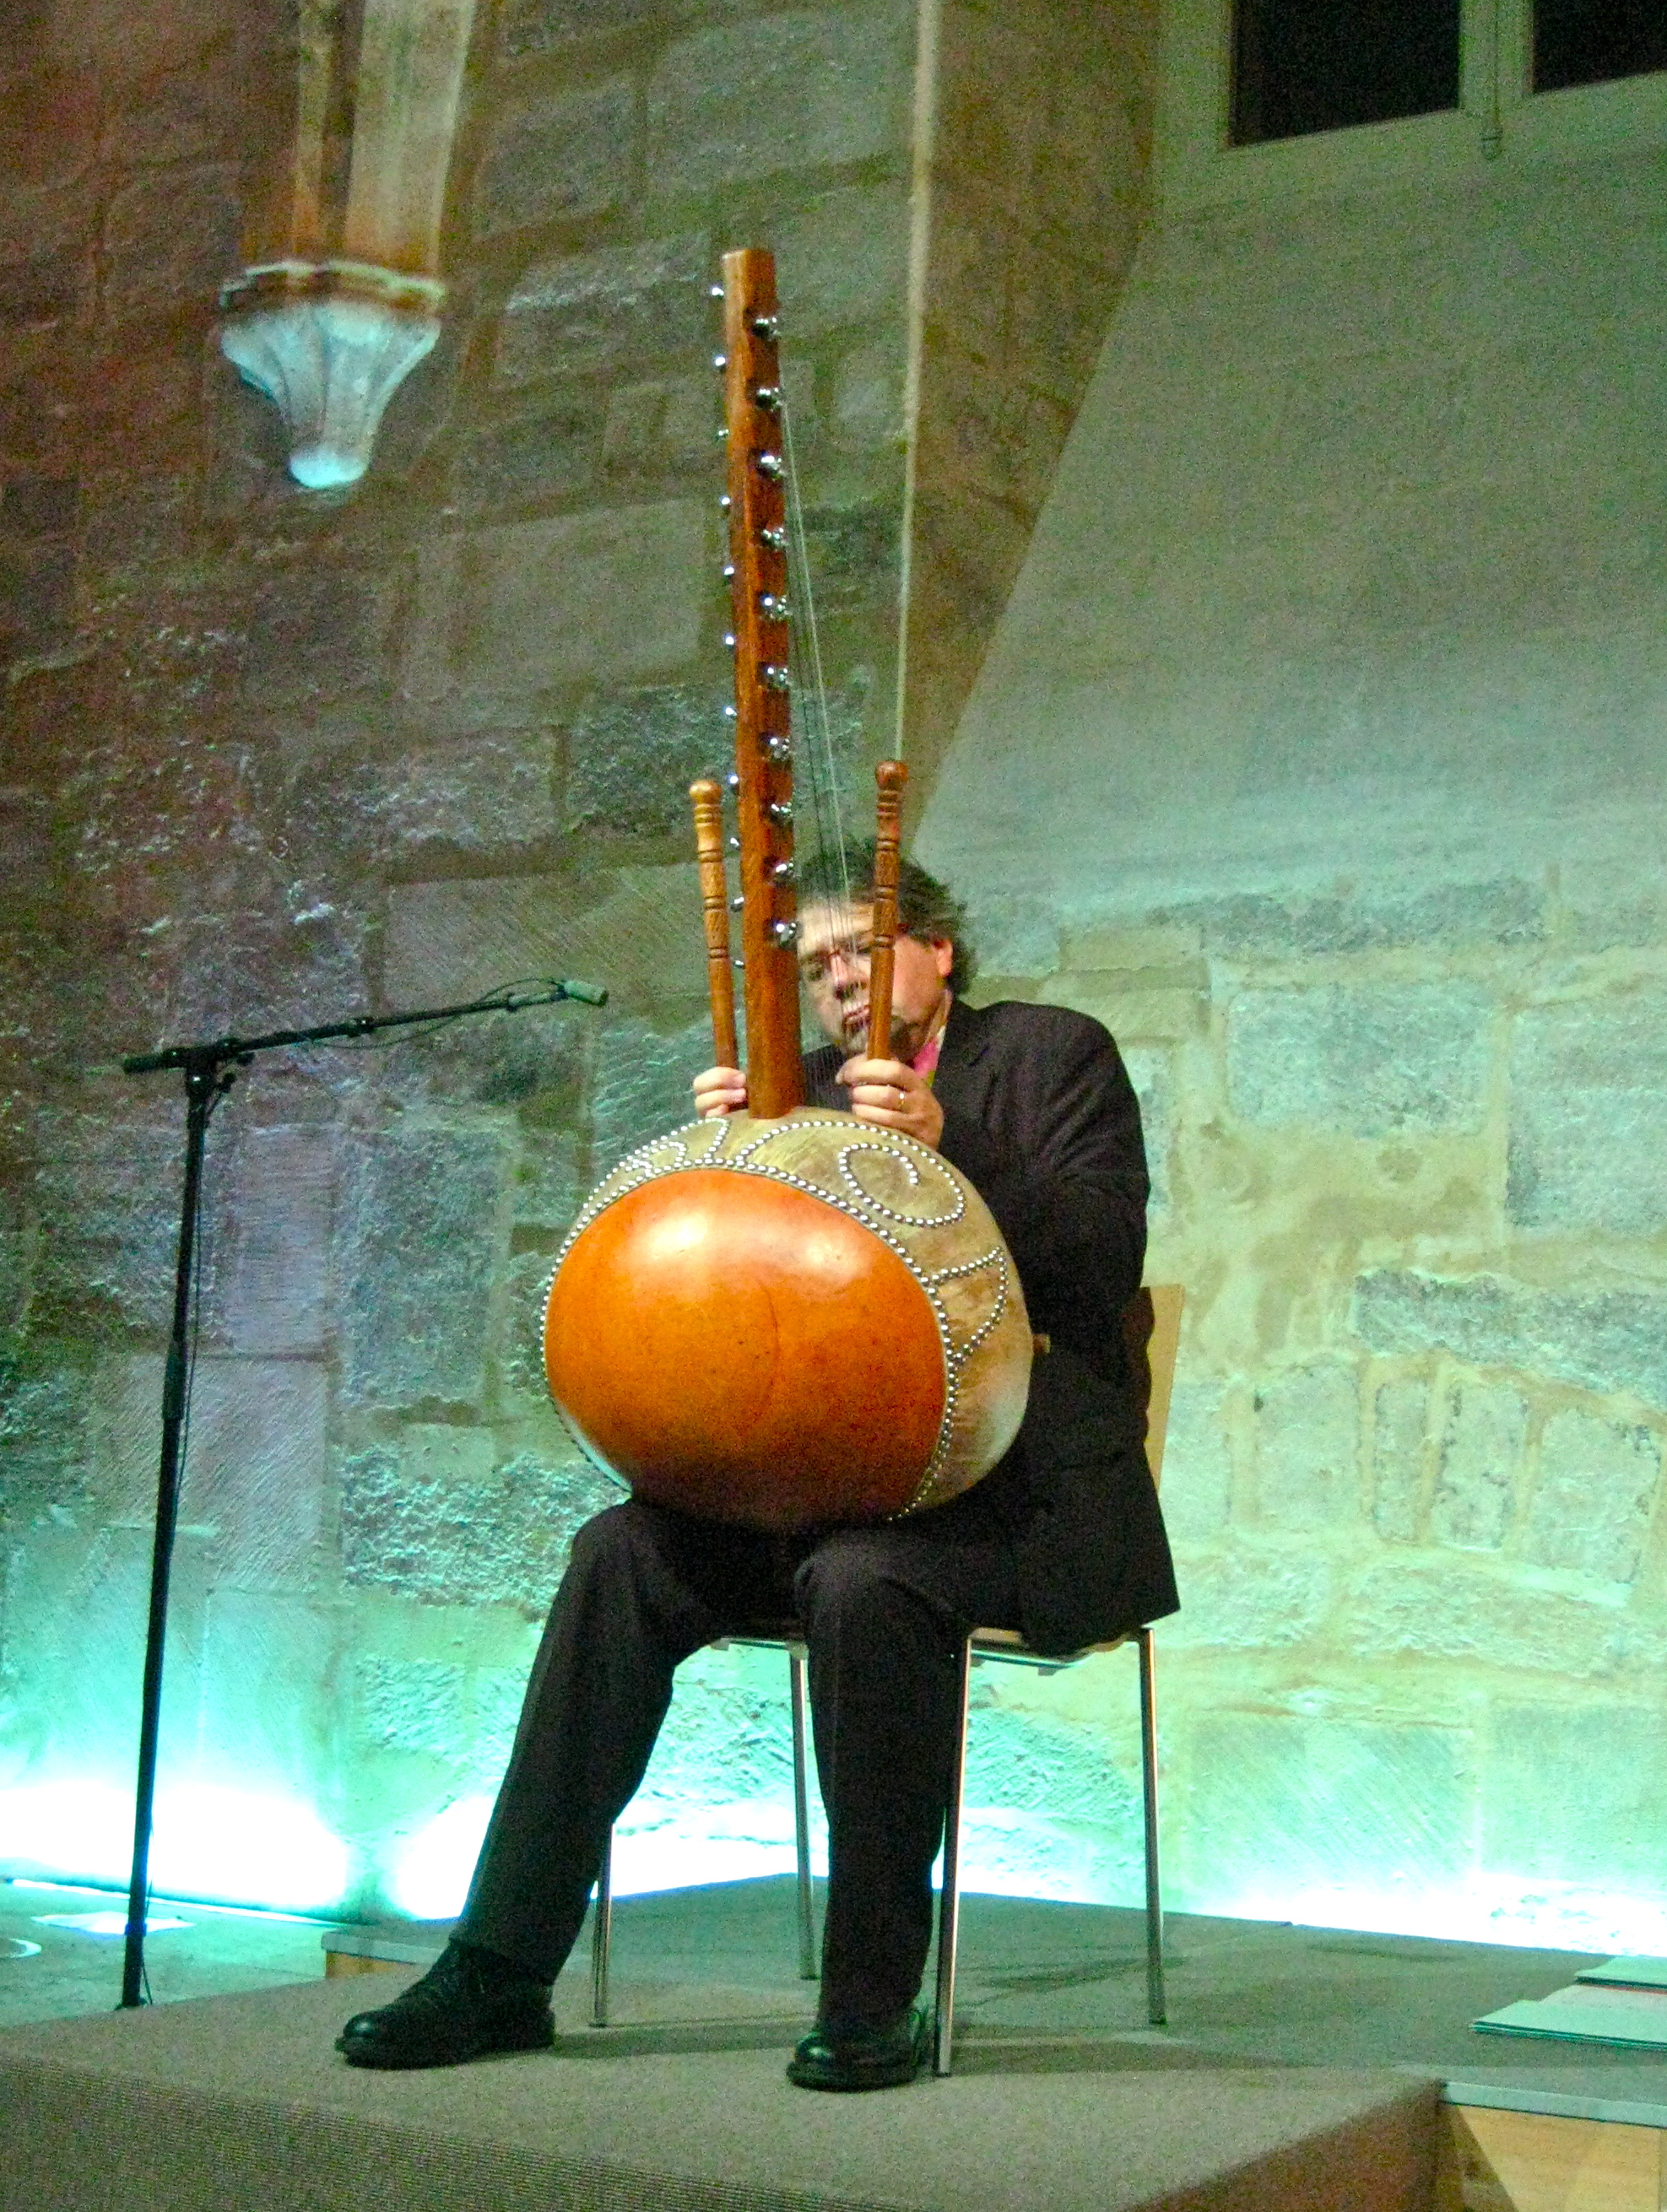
(863, 2057)
(467, 2004)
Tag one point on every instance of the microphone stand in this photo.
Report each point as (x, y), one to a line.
(209, 1070)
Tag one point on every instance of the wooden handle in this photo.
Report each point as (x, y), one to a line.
(758, 585)
(889, 779)
(714, 899)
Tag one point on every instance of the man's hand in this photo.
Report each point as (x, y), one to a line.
(889, 1093)
(719, 1090)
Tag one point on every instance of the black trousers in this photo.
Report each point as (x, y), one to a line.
(883, 1611)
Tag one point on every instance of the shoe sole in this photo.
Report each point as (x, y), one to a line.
(897, 2074)
(877, 2077)
(411, 2062)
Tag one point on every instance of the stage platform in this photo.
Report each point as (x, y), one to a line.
(1302, 2071)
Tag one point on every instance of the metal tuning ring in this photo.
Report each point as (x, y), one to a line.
(769, 396)
(773, 609)
(779, 810)
(767, 327)
(770, 466)
(778, 748)
(777, 539)
(774, 677)
(784, 934)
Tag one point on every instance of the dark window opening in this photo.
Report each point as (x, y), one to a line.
(1590, 41)
(1306, 65)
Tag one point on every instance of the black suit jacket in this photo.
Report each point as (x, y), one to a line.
(1040, 1116)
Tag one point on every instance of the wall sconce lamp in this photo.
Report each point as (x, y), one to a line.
(341, 295)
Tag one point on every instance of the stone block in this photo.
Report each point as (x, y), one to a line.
(1589, 1116)
(1198, 1478)
(423, 1240)
(555, 454)
(274, 1287)
(1170, 1002)
(109, 1197)
(1480, 1467)
(45, 1406)
(37, 598)
(265, 1714)
(867, 401)
(1307, 1448)
(1365, 1061)
(854, 553)
(1593, 1496)
(1249, 1600)
(1017, 933)
(655, 428)
(166, 249)
(721, 1742)
(844, 259)
(255, 1468)
(632, 755)
(1151, 1071)
(637, 931)
(612, 595)
(495, 1712)
(165, 121)
(124, 1435)
(573, 153)
(551, 1184)
(534, 1062)
(40, 289)
(411, 1704)
(1602, 918)
(1028, 1762)
(1575, 1792)
(612, 309)
(315, 633)
(1399, 1412)
(790, 91)
(483, 791)
(26, 868)
(34, 506)
(1287, 1802)
(437, 1521)
(520, 1354)
(642, 1089)
(136, 522)
(1445, 1612)
(1444, 918)
(532, 26)
(1602, 1341)
(76, 1604)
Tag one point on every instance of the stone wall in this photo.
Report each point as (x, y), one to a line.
(272, 757)
(1319, 754)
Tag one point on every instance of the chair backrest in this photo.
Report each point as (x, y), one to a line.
(1152, 1336)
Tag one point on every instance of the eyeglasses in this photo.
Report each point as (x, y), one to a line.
(816, 968)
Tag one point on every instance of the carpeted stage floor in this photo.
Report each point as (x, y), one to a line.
(1301, 2070)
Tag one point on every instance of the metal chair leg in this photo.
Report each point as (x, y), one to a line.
(949, 1903)
(601, 1936)
(801, 1817)
(1156, 2007)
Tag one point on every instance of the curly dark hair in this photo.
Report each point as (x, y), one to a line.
(926, 907)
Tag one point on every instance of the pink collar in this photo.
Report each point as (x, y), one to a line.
(926, 1059)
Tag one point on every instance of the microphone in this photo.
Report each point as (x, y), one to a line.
(541, 990)
(588, 994)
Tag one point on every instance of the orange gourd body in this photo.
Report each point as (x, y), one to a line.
(789, 1323)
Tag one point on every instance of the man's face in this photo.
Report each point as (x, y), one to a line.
(835, 942)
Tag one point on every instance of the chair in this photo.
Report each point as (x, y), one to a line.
(1152, 1328)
